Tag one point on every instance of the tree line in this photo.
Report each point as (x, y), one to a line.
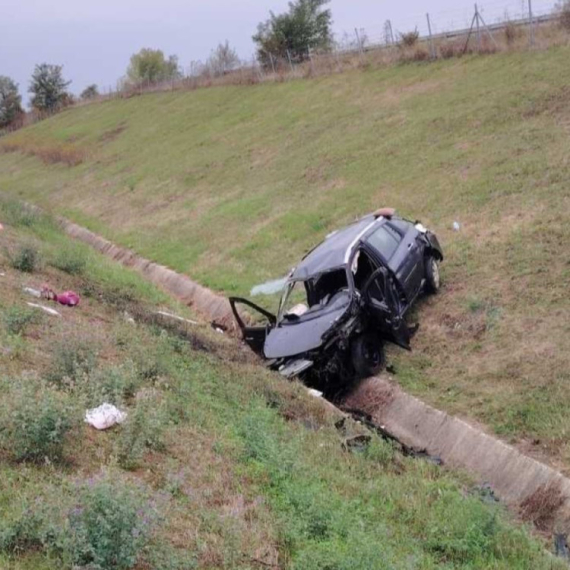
(304, 27)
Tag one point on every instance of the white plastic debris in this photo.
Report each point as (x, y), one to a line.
(176, 317)
(315, 393)
(128, 318)
(456, 226)
(105, 416)
(33, 292)
(47, 310)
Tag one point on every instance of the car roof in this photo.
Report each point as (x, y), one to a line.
(335, 251)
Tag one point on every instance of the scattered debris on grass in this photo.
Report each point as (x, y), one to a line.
(176, 317)
(104, 417)
(33, 292)
(47, 310)
(67, 298)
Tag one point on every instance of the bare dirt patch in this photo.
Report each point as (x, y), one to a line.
(112, 134)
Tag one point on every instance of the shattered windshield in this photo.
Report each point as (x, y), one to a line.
(303, 300)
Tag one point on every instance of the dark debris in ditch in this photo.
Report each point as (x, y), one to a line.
(366, 420)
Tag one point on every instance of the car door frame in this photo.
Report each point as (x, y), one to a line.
(396, 330)
(253, 335)
(408, 266)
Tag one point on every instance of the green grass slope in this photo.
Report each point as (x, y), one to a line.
(219, 464)
(232, 185)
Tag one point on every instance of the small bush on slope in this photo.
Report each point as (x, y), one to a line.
(36, 421)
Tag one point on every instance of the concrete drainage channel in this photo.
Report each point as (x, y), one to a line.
(518, 480)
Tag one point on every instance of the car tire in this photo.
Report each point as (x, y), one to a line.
(368, 357)
(433, 279)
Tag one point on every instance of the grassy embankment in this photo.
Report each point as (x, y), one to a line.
(231, 185)
(219, 464)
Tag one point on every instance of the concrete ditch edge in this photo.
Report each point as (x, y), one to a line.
(515, 477)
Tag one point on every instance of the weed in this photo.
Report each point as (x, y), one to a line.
(34, 526)
(409, 39)
(26, 258)
(511, 33)
(72, 361)
(38, 423)
(17, 319)
(70, 260)
(541, 507)
(17, 214)
(111, 524)
(143, 430)
(449, 50)
(114, 384)
(564, 14)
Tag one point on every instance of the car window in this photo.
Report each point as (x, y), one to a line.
(385, 240)
(401, 225)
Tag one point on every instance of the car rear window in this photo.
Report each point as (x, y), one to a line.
(385, 240)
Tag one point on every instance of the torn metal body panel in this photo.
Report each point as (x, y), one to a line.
(346, 298)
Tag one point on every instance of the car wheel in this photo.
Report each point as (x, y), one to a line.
(433, 279)
(368, 358)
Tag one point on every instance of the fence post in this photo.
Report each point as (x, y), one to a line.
(431, 44)
(531, 24)
(290, 61)
(470, 32)
(358, 43)
(272, 62)
(491, 37)
(479, 44)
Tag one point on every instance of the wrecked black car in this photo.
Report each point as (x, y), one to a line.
(347, 297)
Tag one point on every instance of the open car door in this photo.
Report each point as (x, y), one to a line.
(253, 335)
(381, 300)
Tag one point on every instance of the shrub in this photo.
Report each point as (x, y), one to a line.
(90, 92)
(34, 526)
(26, 258)
(70, 260)
(144, 429)
(111, 525)
(16, 319)
(36, 427)
(564, 11)
(409, 39)
(449, 50)
(72, 362)
(113, 385)
(511, 33)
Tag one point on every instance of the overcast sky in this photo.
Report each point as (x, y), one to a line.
(93, 39)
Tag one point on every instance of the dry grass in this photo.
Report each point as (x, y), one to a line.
(541, 507)
(55, 153)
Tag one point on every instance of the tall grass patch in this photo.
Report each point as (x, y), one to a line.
(36, 421)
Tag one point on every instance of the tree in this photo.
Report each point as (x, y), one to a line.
(150, 66)
(90, 92)
(49, 88)
(306, 26)
(223, 59)
(10, 102)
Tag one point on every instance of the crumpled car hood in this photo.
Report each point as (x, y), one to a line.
(293, 339)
